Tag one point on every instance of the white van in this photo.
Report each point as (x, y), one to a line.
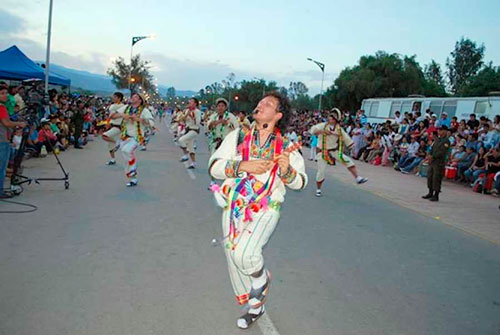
(379, 110)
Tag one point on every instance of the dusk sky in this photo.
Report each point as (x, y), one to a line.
(200, 42)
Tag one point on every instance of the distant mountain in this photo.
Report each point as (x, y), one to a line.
(100, 83)
(86, 80)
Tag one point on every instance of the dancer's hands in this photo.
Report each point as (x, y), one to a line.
(327, 132)
(283, 161)
(258, 166)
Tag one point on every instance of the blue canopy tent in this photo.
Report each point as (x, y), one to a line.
(14, 65)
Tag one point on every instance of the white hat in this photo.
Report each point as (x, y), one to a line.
(444, 113)
(224, 101)
(336, 114)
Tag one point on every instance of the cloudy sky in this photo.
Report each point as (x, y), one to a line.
(200, 42)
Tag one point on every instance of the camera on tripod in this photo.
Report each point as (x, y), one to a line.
(36, 109)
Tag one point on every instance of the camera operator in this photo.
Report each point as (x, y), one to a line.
(5, 124)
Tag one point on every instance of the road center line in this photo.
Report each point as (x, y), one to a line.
(189, 172)
(267, 326)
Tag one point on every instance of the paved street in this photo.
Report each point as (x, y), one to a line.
(101, 258)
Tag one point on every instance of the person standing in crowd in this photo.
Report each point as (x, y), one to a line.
(77, 120)
(362, 117)
(10, 103)
(5, 125)
(292, 135)
(192, 119)
(256, 168)
(437, 160)
(112, 135)
(314, 146)
(136, 117)
(332, 139)
(19, 98)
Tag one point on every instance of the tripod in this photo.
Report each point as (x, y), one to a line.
(19, 179)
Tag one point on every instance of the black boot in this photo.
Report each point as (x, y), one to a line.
(435, 197)
(428, 195)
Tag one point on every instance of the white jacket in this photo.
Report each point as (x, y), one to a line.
(228, 152)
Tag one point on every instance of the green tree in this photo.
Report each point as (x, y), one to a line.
(464, 63)
(171, 92)
(141, 76)
(283, 91)
(434, 85)
(379, 75)
(250, 92)
(296, 88)
(487, 80)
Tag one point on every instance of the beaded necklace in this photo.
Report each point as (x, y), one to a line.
(255, 193)
(324, 150)
(140, 138)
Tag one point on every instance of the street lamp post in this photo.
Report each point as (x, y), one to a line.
(135, 39)
(47, 56)
(322, 67)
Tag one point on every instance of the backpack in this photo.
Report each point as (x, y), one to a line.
(478, 186)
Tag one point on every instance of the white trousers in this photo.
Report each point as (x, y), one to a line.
(113, 133)
(313, 153)
(322, 164)
(129, 149)
(246, 258)
(187, 141)
(174, 127)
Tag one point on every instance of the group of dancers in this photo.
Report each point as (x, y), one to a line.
(254, 161)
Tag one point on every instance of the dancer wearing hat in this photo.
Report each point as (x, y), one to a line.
(192, 119)
(331, 141)
(437, 163)
(255, 165)
(112, 135)
(136, 117)
(220, 124)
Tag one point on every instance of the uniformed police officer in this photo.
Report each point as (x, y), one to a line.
(437, 161)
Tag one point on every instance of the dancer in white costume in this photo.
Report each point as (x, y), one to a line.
(331, 141)
(256, 165)
(136, 118)
(192, 120)
(112, 135)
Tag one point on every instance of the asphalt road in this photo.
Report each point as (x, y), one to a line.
(101, 258)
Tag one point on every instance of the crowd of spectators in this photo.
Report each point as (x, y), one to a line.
(64, 121)
(405, 142)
